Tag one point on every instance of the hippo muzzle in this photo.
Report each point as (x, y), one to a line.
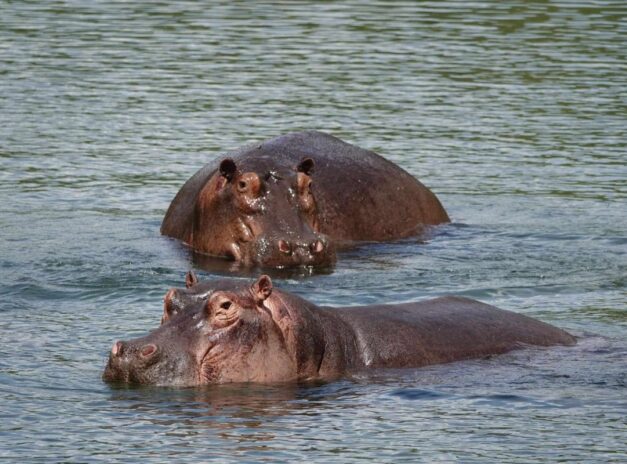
(143, 362)
(294, 250)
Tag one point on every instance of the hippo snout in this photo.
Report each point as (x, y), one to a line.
(121, 350)
(152, 361)
(116, 369)
(127, 361)
(313, 248)
(117, 348)
(291, 251)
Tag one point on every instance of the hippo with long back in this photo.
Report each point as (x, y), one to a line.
(235, 332)
(288, 201)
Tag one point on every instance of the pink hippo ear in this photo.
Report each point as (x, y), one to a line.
(190, 279)
(262, 289)
(169, 307)
(306, 166)
(228, 169)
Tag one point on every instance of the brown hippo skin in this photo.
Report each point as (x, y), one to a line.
(290, 200)
(237, 332)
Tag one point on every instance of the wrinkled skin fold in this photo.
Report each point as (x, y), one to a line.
(290, 200)
(231, 331)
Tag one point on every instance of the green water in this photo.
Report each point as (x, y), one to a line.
(513, 113)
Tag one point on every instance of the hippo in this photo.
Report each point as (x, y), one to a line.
(294, 199)
(177, 299)
(242, 332)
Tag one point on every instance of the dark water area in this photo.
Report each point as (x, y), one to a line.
(513, 113)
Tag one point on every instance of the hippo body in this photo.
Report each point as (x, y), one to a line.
(234, 332)
(292, 199)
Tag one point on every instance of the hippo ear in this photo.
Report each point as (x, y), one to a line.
(228, 169)
(306, 166)
(262, 289)
(190, 279)
(169, 307)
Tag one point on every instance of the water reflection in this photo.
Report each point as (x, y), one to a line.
(228, 406)
(521, 370)
(226, 267)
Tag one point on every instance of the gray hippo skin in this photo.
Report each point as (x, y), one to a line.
(235, 332)
(290, 200)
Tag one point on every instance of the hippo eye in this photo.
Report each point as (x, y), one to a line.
(221, 311)
(241, 185)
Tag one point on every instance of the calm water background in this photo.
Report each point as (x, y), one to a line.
(514, 113)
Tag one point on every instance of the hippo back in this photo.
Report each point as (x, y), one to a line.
(442, 330)
(360, 195)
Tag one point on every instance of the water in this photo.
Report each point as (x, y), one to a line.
(514, 113)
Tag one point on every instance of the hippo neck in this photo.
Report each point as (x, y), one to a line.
(321, 343)
(341, 344)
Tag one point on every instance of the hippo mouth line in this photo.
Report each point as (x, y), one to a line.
(297, 255)
(114, 375)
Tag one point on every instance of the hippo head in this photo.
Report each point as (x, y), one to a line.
(177, 299)
(230, 336)
(261, 214)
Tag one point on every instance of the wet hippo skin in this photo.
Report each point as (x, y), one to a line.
(291, 200)
(231, 331)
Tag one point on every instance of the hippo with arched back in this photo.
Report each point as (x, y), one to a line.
(231, 331)
(290, 200)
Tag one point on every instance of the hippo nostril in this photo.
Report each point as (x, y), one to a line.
(148, 350)
(284, 247)
(116, 349)
(317, 246)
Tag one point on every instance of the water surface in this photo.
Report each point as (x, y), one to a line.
(514, 113)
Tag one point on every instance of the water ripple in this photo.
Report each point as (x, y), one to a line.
(514, 113)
